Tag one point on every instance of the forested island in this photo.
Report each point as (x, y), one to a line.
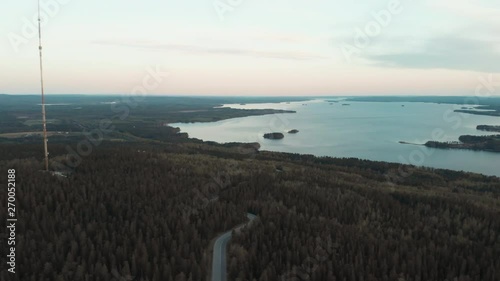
(484, 143)
(488, 128)
(146, 202)
(274, 136)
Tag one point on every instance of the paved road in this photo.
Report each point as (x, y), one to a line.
(219, 262)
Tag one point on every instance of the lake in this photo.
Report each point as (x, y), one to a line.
(366, 130)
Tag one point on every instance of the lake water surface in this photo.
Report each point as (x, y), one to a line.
(366, 130)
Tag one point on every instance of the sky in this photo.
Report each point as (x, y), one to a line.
(251, 47)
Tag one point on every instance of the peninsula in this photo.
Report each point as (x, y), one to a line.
(484, 143)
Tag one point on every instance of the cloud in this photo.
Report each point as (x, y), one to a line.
(202, 50)
(446, 53)
(482, 11)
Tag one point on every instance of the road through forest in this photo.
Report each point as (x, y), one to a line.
(219, 262)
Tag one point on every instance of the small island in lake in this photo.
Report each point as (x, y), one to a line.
(488, 128)
(274, 136)
(294, 131)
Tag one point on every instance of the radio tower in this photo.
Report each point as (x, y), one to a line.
(44, 120)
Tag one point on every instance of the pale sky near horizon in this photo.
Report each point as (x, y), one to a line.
(255, 47)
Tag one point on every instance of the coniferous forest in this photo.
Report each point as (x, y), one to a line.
(136, 211)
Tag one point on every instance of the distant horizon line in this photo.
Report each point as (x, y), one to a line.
(259, 96)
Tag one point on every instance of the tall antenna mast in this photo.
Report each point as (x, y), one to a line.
(44, 120)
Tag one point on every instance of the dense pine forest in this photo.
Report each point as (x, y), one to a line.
(151, 211)
(146, 202)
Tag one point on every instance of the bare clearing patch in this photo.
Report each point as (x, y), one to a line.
(32, 134)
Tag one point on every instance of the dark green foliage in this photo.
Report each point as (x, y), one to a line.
(121, 209)
(488, 128)
(274, 136)
(150, 211)
(486, 143)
